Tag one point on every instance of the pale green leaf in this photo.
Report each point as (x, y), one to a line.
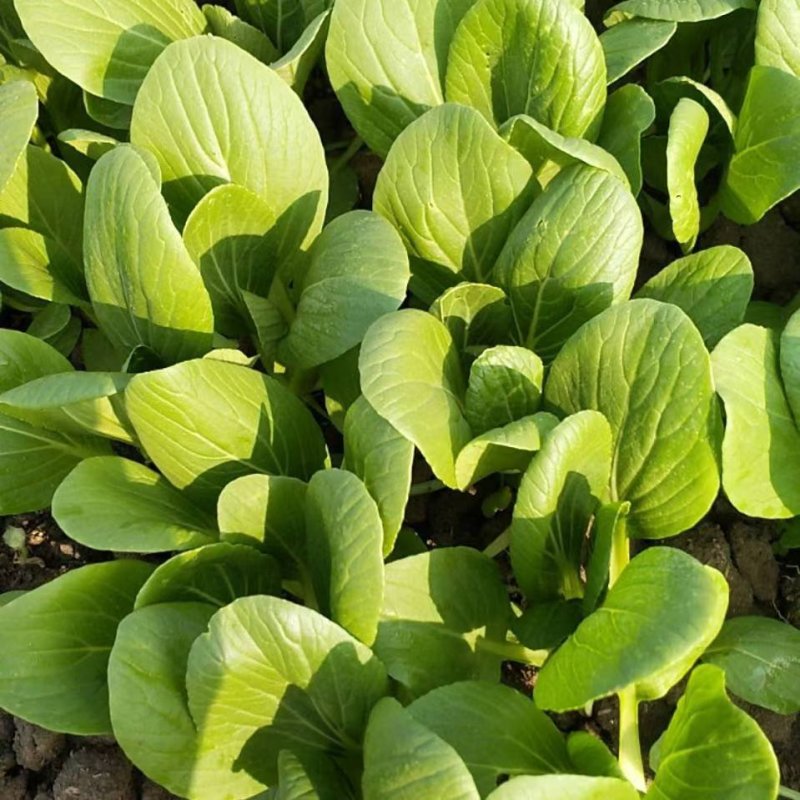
(564, 787)
(631, 42)
(228, 26)
(295, 67)
(675, 10)
(778, 35)
(19, 108)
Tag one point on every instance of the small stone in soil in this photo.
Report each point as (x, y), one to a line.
(36, 747)
(90, 774)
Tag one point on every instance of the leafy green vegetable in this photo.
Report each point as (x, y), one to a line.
(630, 42)
(777, 32)
(564, 787)
(18, 110)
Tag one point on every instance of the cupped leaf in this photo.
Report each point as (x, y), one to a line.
(267, 512)
(758, 478)
(411, 375)
(631, 42)
(55, 643)
(688, 127)
(231, 237)
(535, 57)
(712, 749)
(216, 574)
(645, 367)
(144, 287)
(271, 675)
(387, 61)
(713, 287)
(573, 254)
(358, 272)
(454, 190)
(111, 503)
(205, 422)
(196, 113)
(437, 606)
(675, 10)
(404, 760)
(764, 168)
(283, 22)
(516, 738)
(228, 26)
(549, 152)
(558, 496)
(19, 108)
(345, 551)
(506, 449)
(382, 458)
(778, 35)
(107, 48)
(296, 65)
(564, 787)
(761, 660)
(657, 619)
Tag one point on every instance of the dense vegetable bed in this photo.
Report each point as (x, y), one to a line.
(271, 270)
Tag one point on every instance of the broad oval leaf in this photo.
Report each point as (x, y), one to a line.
(107, 48)
(535, 57)
(206, 422)
(55, 643)
(387, 61)
(761, 660)
(645, 367)
(558, 495)
(573, 254)
(404, 760)
(675, 10)
(761, 448)
(345, 551)
(778, 35)
(111, 503)
(411, 375)
(790, 360)
(196, 113)
(712, 750)
(516, 738)
(657, 619)
(357, 273)
(454, 190)
(564, 787)
(271, 675)
(216, 574)
(144, 287)
(19, 108)
(632, 41)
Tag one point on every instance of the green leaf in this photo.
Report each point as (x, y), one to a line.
(573, 254)
(778, 35)
(216, 574)
(144, 287)
(558, 495)
(345, 551)
(111, 503)
(231, 236)
(357, 273)
(610, 525)
(149, 708)
(549, 152)
(763, 170)
(454, 190)
(631, 42)
(267, 323)
(688, 127)
(107, 49)
(515, 737)
(591, 757)
(436, 606)
(341, 383)
(404, 760)
(228, 26)
(761, 660)
(669, 92)
(657, 619)
(267, 512)
(408, 363)
(506, 449)
(558, 75)
(712, 750)
(761, 449)
(204, 423)
(790, 359)
(382, 458)
(283, 22)
(55, 644)
(387, 60)
(19, 108)
(713, 287)
(544, 626)
(270, 675)
(24, 358)
(295, 67)
(313, 778)
(643, 364)
(116, 116)
(564, 787)
(629, 113)
(195, 112)
(675, 10)
(505, 384)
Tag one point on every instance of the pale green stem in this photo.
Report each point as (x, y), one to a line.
(511, 651)
(347, 156)
(499, 544)
(427, 487)
(790, 793)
